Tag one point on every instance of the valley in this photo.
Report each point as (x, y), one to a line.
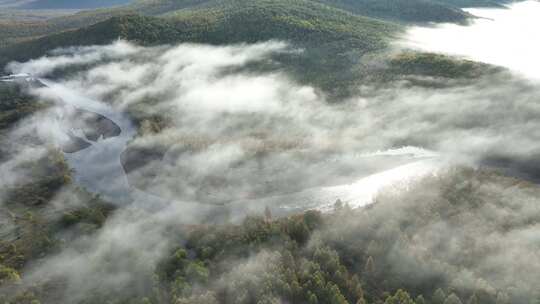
(269, 152)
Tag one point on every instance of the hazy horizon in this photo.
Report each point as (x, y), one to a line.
(504, 37)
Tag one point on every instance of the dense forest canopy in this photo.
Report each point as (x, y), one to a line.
(61, 4)
(249, 133)
(394, 10)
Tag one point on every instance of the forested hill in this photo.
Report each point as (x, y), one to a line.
(477, 3)
(390, 10)
(394, 10)
(225, 22)
(333, 40)
(457, 236)
(323, 32)
(402, 11)
(70, 4)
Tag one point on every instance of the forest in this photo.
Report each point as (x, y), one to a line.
(230, 102)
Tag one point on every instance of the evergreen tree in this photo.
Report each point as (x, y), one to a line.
(452, 299)
(369, 268)
(401, 297)
(438, 297)
(356, 287)
(335, 296)
(312, 298)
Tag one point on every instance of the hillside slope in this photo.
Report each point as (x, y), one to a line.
(67, 4)
(12, 32)
(392, 10)
(476, 3)
(233, 22)
(332, 39)
(402, 11)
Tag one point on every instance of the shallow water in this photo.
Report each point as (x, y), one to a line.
(99, 170)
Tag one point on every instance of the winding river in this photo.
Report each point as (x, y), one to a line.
(98, 168)
(95, 156)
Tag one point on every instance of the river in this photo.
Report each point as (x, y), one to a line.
(97, 168)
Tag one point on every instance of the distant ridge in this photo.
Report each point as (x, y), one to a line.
(73, 4)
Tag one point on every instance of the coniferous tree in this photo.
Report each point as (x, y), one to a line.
(312, 298)
(452, 299)
(400, 297)
(370, 266)
(438, 297)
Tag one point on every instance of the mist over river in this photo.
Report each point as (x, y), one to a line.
(239, 142)
(230, 173)
(98, 169)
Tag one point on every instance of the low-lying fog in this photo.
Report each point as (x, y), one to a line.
(235, 134)
(232, 134)
(505, 37)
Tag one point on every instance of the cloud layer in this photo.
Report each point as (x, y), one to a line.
(223, 125)
(504, 37)
(215, 127)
